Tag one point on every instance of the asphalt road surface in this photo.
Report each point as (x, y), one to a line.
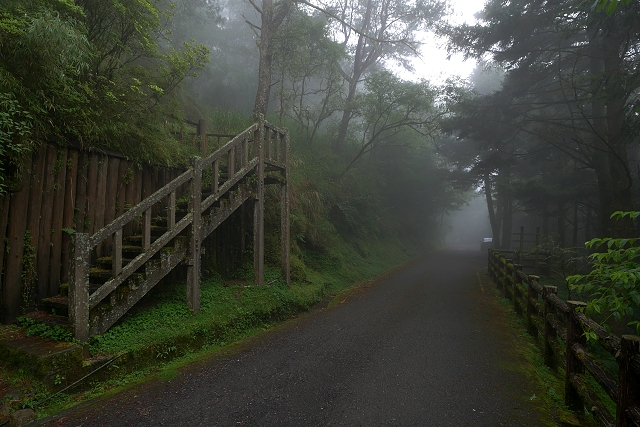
(417, 348)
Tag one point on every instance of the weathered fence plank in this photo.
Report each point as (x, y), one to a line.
(81, 191)
(12, 292)
(101, 202)
(92, 191)
(111, 194)
(60, 171)
(69, 211)
(46, 214)
(33, 211)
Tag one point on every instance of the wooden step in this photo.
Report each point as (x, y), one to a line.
(107, 262)
(49, 319)
(99, 275)
(57, 305)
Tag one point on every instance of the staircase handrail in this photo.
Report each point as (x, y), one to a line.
(80, 302)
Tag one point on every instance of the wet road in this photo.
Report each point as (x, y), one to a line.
(418, 348)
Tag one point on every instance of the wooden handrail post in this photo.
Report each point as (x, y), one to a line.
(202, 132)
(515, 279)
(193, 261)
(521, 250)
(79, 286)
(575, 335)
(285, 233)
(531, 311)
(628, 380)
(508, 281)
(550, 334)
(258, 210)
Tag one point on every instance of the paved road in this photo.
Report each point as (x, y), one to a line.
(415, 349)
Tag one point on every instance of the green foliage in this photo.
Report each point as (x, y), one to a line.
(15, 129)
(33, 328)
(90, 73)
(610, 6)
(613, 283)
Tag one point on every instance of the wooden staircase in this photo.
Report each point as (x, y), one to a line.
(110, 273)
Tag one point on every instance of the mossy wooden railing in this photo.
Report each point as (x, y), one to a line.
(234, 173)
(561, 325)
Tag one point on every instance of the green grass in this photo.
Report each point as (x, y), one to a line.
(529, 350)
(161, 335)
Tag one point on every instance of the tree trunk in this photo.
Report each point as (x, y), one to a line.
(261, 104)
(562, 229)
(545, 218)
(271, 19)
(575, 225)
(610, 136)
(495, 225)
(507, 220)
(359, 67)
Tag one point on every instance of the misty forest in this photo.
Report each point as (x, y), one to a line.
(540, 139)
(336, 161)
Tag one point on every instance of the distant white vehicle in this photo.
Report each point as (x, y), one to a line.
(486, 243)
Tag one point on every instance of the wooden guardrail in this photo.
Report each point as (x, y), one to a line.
(562, 328)
(260, 148)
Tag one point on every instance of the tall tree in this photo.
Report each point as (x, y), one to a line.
(574, 73)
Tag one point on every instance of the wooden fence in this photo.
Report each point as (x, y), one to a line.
(562, 328)
(61, 191)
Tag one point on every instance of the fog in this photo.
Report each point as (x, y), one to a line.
(469, 225)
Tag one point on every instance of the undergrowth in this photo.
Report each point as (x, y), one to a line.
(549, 381)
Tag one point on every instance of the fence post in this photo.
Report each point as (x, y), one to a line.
(521, 250)
(515, 278)
(531, 296)
(494, 268)
(490, 264)
(550, 334)
(628, 380)
(507, 279)
(193, 266)
(575, 335)
(79, 286)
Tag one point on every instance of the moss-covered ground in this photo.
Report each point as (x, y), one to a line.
(161, 334)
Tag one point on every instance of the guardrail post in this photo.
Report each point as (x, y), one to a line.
(550, 334)
(531, 296)
(515, 279)
(284, 213)
(193, 266)
(628, 380)
(521, 248)
(258, 210)
(508, 285)
(79, 286)
(575, 335)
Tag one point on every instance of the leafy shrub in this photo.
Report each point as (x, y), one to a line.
(613, 283)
